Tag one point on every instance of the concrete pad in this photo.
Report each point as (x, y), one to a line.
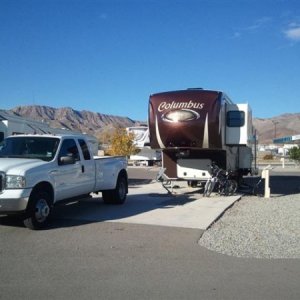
(183, 209)
(151, 204)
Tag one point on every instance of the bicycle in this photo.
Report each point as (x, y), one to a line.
(222, 180)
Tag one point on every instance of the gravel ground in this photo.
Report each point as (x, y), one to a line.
(259, 227)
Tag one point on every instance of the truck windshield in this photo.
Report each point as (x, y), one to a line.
(29, 147)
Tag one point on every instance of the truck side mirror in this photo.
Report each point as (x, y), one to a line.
(66, 160)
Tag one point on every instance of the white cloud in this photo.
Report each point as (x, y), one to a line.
(293, 33)
(259, 23)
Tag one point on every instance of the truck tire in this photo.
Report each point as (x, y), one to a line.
(117, 195)
(39, 210)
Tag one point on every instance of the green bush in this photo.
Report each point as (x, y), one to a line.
(294, 154)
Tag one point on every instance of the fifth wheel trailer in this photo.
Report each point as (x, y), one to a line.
(196, 127)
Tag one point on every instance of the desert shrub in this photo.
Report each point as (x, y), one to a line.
(268, 157)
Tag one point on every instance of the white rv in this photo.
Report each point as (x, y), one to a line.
(146, 155)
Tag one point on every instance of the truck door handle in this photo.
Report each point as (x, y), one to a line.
(82, 169)
(53, 172)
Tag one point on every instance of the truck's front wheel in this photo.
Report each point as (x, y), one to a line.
(117, 195)
(39, 210)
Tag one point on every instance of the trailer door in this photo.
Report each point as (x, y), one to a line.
(238, 119)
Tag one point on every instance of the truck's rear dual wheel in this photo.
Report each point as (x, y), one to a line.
(39, 209)
(117, 195)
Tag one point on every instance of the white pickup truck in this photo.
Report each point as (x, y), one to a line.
(37, 171)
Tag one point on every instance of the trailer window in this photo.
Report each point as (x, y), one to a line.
(235, 118)
(1, 136)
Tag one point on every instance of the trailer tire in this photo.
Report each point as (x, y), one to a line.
(192, 183)
(117, 195)
(39, 210)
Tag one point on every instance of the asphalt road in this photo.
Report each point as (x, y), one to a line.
(82, 259)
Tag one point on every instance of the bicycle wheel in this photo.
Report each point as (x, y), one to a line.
(232, 186)
(208, 188)
(223, 188)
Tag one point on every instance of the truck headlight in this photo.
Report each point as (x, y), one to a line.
(14, 182)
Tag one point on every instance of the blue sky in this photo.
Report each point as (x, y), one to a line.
(109, 56)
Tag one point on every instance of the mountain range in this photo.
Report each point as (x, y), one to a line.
(66, 117)
(276, 127)
(96, 123)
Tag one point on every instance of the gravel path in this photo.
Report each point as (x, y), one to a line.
(258, 227)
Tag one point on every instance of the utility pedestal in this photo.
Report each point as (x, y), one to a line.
(266, 175)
